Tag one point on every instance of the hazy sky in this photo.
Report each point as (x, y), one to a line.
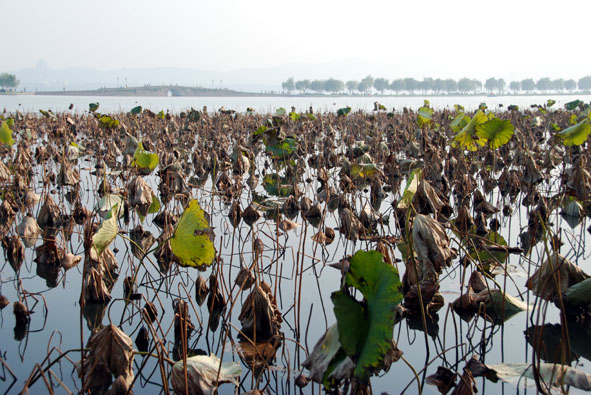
(510, 39)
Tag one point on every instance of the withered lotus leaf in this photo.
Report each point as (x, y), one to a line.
(111, 354)
(204, 375)
(554, 277)
(431, 244)
(29, 231)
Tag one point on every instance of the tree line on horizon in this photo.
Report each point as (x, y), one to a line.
(438, 86)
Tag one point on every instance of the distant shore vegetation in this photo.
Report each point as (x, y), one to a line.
(411, 86)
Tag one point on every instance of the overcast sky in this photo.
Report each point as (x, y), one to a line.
(447, 39)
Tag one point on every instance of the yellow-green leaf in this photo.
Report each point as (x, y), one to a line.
(496, 131)
(107, 232)
(577, 134)
(6, 134)
(145, 159)
(192, 241)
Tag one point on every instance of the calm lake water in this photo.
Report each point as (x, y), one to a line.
(268, 104)
(62, 326)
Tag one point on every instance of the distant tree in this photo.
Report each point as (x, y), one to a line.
(528, 85)
(366, 84)
(558, 84)
(544, 84)
(397, 85)
(411, 85)
(466, 85)
(8, 81)
(427, 84)
(302, 85)
(352, 85)
(477, 85)
(501, 84)
(450, 85)
(288, 85)
(570, 85)
(333, 86)
(381, 84)
(490, 84)
(515, 86)
(317, 85)
(585, 83)
(438, 85)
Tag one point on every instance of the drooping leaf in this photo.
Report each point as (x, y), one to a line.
(6, 134)
(577, 134)
(106, 232)
(145, 159)
(380, 285)
(192, 239)
(262, 129)
(155, 206)
(412, 184)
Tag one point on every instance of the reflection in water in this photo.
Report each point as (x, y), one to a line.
(551, 341)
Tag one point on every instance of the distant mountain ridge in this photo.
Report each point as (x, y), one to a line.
(43, 78)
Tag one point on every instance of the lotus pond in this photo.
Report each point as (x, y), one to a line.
(418, 251)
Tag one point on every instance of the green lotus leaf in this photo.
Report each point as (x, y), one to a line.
(283, 149)
(92, 107)
(192, 240)
(576, 134)
(136, 110)
(550, 103)
(496, 132)
(424, 116)
(459, 122)
(366, 328)
(6, 134)
(343, 112)
(280, 112)
(571, 105)
(145, 159)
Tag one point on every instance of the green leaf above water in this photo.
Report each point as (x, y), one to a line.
(343, 112)
(92, 107)
(571, 105)
(145, 159)
(276, 185)
(550, 103)
(280, 112)
(107, 122)
(106, 232)
(366, 328)
(136, 110)
(577, 134)
(496, 132)
(192, 240)
(424, 116)
(6, 134)
(283, 149)
(155, 206)
(466, 138)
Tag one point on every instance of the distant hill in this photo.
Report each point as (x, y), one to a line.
(161, 90)
(43, 78)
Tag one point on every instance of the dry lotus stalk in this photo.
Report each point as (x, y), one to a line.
(555, 276)
(431, 244)
(111, 354)
(204, 375)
